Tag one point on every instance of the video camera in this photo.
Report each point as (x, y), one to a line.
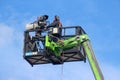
(40, 23)
(42, 18)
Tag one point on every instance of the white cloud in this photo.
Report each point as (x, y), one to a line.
(71, 71)
(6, 35)
(82, 71)
(111, 72)
(10, 35)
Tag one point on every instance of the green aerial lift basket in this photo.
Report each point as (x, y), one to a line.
(35, 55)
(58, 45)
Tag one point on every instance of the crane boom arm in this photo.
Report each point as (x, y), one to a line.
(92, 61)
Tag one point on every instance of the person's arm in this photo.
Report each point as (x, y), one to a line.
(60, 25)
(53, 24)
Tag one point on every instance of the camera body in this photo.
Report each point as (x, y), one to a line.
(40, 23)
(42, 18)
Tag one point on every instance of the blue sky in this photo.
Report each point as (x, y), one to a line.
(99, 18)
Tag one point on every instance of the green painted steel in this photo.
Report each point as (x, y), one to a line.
(52, 46)
(74, 41)
(57, 47)
(92, 61)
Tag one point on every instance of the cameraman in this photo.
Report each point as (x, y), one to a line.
(56, 22)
